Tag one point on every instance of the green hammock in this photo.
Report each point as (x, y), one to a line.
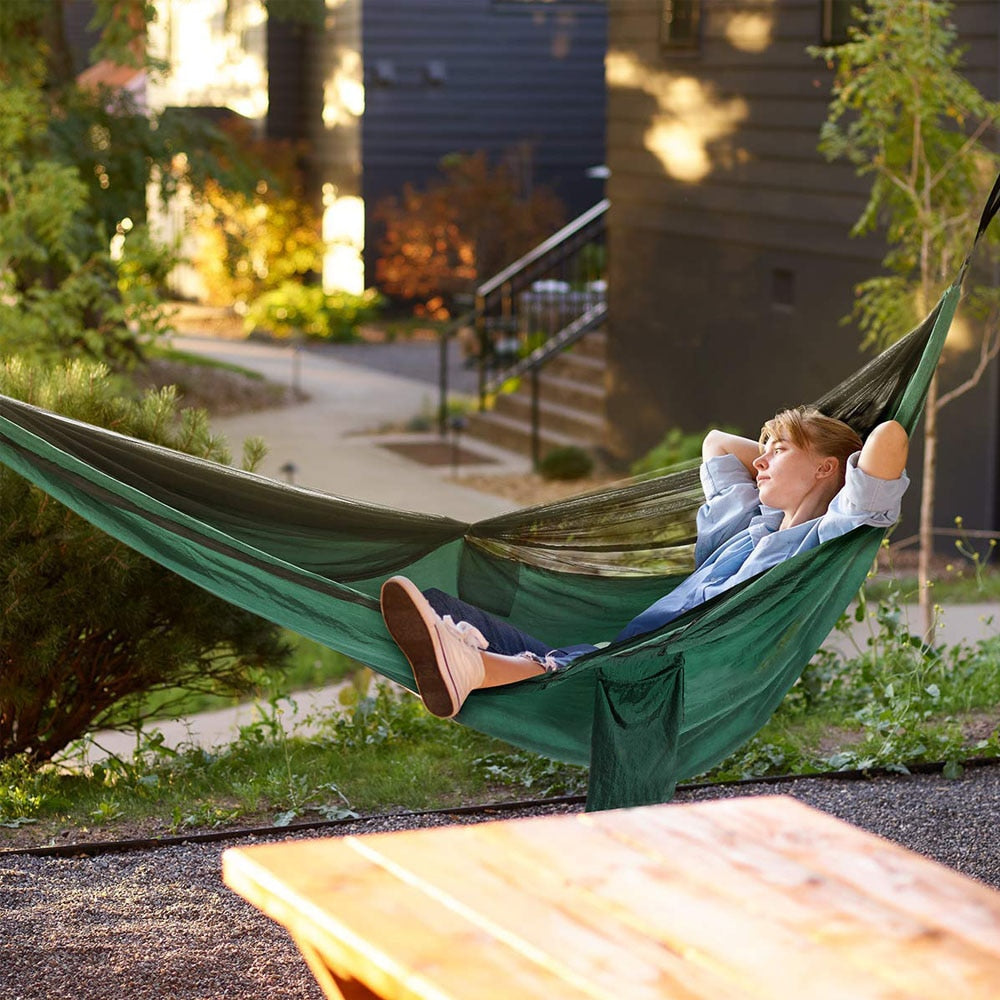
(641, 713)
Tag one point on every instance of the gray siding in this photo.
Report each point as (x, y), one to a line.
(527, 76)
(695, 336)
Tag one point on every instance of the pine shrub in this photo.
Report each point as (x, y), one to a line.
(89, 626)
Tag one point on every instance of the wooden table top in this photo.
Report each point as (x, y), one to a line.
(739, 898)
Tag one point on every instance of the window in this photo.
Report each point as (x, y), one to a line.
(783, 289)
(679, 21)
(836, 17)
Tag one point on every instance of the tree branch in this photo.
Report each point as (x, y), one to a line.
(989, 349)
(959, 153)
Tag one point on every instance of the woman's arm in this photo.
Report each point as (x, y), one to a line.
(884, 453)
(723, 443)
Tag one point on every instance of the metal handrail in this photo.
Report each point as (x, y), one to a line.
(498, 300)
(566, 337)
(554, 242)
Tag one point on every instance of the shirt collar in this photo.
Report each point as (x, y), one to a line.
(765, 523)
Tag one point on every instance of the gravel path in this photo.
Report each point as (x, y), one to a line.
(160, 923)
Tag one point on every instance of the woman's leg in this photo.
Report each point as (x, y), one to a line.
(449, 658)
(501, 669)
(501, 635)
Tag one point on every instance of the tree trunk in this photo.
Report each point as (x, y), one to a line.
(52, 28)
(927, 481)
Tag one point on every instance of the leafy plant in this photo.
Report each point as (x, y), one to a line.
(306, 310)
(89, 625)
(569, 462)
(251, 241)
(79, 274)
(463, 227)
(677, 446)
(891, 701)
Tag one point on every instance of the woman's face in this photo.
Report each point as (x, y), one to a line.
(787, 474)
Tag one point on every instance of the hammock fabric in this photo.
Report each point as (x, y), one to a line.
(642, 713)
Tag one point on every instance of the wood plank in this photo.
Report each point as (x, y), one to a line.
(631, 902)
(623, 892)
(516, 901)
(384, 933)
(883, 870)
(747, 898)
(911, 922)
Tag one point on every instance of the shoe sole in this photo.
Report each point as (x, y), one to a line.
(406, 614)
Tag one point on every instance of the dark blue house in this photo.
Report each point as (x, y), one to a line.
(522, 80)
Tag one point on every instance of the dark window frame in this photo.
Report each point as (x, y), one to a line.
(835, 20)
(680, 26)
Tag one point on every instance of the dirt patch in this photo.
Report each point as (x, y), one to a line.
(437, 453)
(221, 391)
(530, 488)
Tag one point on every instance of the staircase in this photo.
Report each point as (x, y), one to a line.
(541, 345)
(570, 405)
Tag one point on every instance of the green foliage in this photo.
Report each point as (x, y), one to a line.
(569, 462)
(383, 753)
(252, 240)
(89, 625)
(904, 115)
(79, 273)
(295, 309)
(890, 701)
(463, 227)
(61, 290)
(677, 446)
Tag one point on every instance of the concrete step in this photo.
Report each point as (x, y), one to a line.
(515, 435)
(572, 422)
(570, 393)
(593, 345)
(571, 400)
(583, 368)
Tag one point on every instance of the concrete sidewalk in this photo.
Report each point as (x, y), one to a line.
(331, 438)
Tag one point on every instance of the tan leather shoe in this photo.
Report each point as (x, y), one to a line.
(446, 656)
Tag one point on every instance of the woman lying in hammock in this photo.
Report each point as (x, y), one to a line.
(808, 479)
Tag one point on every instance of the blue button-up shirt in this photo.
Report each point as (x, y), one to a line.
(739, 537)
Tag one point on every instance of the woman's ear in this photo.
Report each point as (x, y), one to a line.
(828, 467)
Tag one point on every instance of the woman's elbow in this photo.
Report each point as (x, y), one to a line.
(884, 452)
(713, 444)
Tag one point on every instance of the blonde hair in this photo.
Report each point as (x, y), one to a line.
(807, 428)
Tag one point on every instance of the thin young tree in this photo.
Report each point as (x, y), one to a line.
(905, 116)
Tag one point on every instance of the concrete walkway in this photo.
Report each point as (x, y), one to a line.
(332, 442)
(331, 439)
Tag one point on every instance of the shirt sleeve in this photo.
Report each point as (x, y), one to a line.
(731, 502)
(863, 499)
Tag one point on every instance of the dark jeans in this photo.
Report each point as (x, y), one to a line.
(502, 636)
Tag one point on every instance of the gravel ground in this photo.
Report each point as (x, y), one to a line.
(160, 923)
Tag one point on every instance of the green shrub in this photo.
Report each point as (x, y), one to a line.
(566, 463)
(307, 310)
(677, 446)
(89, 626)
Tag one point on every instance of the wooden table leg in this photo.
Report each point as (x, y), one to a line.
(335, 986)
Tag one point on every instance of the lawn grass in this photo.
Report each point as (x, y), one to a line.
(310, 665)
(888, 703)
(387, 754)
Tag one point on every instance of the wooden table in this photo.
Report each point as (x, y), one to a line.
(751, 897)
